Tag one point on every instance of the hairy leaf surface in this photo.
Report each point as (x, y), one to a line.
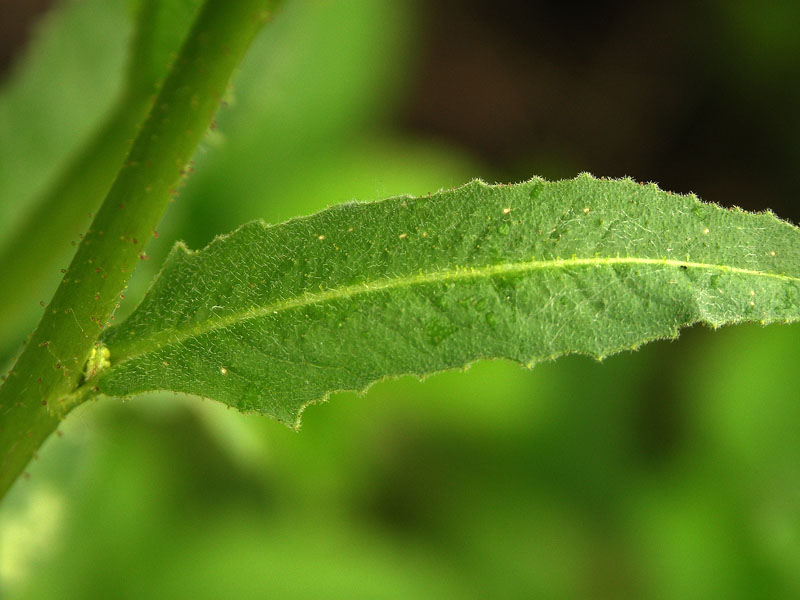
(272, 318)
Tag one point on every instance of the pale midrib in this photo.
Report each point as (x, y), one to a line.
(173, 337)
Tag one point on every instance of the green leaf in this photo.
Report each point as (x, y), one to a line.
(273, 318)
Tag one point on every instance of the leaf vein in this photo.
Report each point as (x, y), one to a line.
(160, 339)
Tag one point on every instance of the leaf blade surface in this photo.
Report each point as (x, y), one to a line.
(273, 318)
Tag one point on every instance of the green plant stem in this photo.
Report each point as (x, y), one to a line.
(37, 391)
(30, 257)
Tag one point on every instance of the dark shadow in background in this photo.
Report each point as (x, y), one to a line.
(698, 97)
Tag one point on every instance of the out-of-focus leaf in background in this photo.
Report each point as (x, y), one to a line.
(45, 110)
(670, 472)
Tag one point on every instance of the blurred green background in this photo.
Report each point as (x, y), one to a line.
(673, 472)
